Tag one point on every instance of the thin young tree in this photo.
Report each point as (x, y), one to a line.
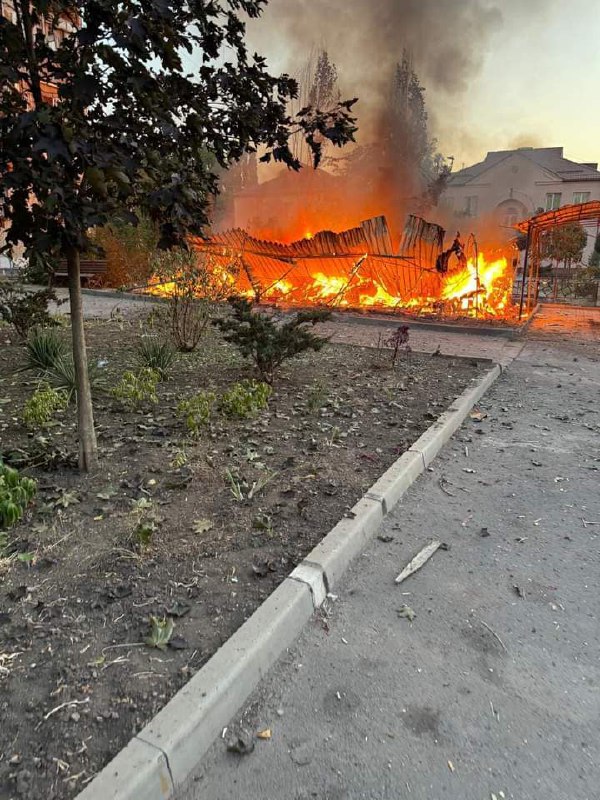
(151, 96)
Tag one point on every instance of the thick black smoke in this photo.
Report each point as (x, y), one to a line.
(447, 41)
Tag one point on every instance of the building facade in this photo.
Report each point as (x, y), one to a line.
(511, 185)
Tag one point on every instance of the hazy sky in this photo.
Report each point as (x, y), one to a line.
(539, 86)
(531, 74)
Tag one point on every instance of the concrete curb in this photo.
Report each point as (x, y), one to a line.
(170, 747)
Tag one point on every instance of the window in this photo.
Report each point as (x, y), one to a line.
(581, 197)
(553, 201)
(471, 206)
(510, 217)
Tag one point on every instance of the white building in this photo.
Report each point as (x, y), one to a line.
(511, 185)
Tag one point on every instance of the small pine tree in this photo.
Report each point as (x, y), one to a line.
(268, 344)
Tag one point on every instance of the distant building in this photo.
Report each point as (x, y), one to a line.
(511, 185)
(293, 205)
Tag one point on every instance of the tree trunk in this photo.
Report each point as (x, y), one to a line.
(88, 451)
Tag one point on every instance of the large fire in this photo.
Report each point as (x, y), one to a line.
(482, 288)
(356, 269)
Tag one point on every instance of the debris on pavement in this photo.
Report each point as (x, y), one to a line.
(451, 767)
(417, 562)
(240, 741)
(266, 734)
(477, 415)
(406, 612)
(385, 538)
(484, 532)
(442, 483)
(495, 635)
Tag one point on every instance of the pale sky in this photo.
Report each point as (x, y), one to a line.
(538, 83)
(539, 86)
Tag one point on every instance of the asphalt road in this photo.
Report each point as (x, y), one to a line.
(494, 688)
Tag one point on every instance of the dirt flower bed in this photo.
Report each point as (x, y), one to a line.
(163, 545)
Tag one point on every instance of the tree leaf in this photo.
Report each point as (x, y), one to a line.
(201, 526)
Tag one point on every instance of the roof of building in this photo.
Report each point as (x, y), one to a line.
(549, 158)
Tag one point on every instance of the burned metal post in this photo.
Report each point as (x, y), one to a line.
(525, 265)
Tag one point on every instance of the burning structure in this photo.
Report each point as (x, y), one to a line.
(362, 268)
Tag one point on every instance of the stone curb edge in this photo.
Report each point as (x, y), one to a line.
(347, 317)
(164, 753)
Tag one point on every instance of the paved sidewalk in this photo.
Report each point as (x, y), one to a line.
(345, 331)
(494, 687)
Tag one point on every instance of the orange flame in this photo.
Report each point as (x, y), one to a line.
(482, 288)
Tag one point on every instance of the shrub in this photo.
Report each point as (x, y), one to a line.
(43, 405)
(38, 267)
(194, 285)
(260, 337)
(52, 359)
(136, 389)
(44, 348)
(16, 493)
(196, 411)
(24, 309)
(63, 377)
(128, 250)
(245, 399)
(157, 355)
(397, 341)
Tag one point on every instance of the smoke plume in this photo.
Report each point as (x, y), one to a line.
(447, 41)
(365, 39)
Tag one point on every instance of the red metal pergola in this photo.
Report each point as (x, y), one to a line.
(534, 227)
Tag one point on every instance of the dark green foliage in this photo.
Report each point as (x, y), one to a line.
(137, 128)
(16, 493)
(63, 378)
(156, 354)
(595, 257)
(49, 356)
(39, 269)
(153, 98)
(521, 242)
(44, 347)
(24, 309)
(259, 336)
(565, 243)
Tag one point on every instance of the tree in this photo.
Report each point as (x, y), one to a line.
(317, 88)
(401, 169)
(419, 163)
(132, 127)
(595, 257)
(565, 243)
(128, 250)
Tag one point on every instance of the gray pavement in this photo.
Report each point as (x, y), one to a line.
(494, 688)
(347, 330)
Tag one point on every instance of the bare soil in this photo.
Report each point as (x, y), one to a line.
(77, 678)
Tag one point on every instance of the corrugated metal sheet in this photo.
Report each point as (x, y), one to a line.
(355, 262)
